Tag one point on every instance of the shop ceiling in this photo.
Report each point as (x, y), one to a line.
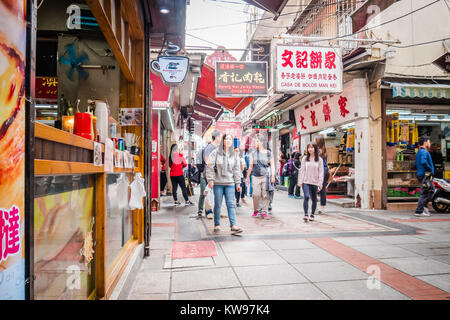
(167, 21)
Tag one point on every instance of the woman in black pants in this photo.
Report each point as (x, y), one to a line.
(177, 163)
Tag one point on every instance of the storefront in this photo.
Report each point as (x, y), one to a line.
(413, 110)
(343, 120)
(76, 140)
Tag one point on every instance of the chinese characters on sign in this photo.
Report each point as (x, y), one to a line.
(241, 79)
(308, 69)
(333, 109)
(230, 127)
(47, 88)
(9, 232)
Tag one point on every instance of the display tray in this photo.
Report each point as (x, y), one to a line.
(403, 198)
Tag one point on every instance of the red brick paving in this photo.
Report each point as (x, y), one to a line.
(193, 249)
(408, 285)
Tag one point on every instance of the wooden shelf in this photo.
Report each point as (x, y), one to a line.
(401, 171)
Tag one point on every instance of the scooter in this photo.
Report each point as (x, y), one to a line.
(441, 197)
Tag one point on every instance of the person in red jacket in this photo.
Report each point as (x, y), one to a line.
(177, 163)
(163, 176)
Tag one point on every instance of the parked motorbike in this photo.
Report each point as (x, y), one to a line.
(441, 197)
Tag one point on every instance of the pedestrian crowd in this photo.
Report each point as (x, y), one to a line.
(224, 170)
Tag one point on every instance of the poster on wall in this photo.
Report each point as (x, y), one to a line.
(308, 69)
(64, 227)
(131, 116)
(12, 145)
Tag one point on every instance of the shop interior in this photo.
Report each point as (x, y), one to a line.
(404, 126)
(77, 74)
(340, 142)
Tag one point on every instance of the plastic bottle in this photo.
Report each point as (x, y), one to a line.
(102, 115)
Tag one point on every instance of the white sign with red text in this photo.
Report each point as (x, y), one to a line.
(308, 69)
(334, 109)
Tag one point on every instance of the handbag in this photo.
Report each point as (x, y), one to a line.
(196, 176)
(427, 182)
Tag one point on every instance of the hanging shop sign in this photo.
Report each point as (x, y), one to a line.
(334, 109)
(172, 68)
(273, 120)
(443, 62)
(219, 55)
(308, 69)
(230, 127)
(241, 79)
(12, 145)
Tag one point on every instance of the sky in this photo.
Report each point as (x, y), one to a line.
(208, 13)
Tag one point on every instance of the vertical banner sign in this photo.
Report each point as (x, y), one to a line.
(12, 146)
(241, 79)
(308, 69)
(155, 155)
(230, 127)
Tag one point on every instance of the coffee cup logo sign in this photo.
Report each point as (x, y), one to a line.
(171, 68)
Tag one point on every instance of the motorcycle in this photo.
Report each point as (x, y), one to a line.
(441, 197)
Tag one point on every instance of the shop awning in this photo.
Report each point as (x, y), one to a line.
(206, 91)
(419, 90)
(273, 6)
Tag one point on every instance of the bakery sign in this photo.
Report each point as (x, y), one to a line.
(308, 69)
(333, 110)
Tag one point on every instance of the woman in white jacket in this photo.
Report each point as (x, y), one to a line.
(310, 178)
(223, 173)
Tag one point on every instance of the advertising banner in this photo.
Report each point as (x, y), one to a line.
(308, 69)
(12, 146)
(155, 155)
(230, 127)
(241, 79)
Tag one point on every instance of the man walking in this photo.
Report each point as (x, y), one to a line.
(210, 147)
(425, 173)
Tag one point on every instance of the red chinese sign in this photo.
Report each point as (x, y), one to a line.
(220, 55)
(334, 109)
(9, 232)
(308, 69)
(47, 88)
(230, 127)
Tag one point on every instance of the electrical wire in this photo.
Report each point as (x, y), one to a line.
(270, 18)
(419, 44)
(191, 35)
(379, 25)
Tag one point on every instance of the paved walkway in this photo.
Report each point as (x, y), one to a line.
(344, 254)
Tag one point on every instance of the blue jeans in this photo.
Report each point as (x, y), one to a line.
(229, 192)
(309, 191)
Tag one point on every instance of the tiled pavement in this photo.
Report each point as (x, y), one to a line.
(339, 256)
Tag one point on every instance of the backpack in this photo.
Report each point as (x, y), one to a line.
(290, 169)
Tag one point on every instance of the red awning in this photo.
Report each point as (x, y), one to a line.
(207, 90)
(274, 6)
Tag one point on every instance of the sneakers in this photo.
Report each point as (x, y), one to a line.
(199, 213)
(291, 196)
(216, 229)
(209, 216)
(298, 197)
(305, 218)
(320, 211)
(190, 203)
(235, 230)
(265, 216)
(425, 213)
(177, 203)
(255, 214)
(270, 210)
(238, 205)
(311, 218)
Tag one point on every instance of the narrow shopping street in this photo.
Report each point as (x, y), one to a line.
(338, 256)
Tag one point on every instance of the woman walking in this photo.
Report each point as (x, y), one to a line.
(162, 175)
(320, 141)
(223, 173)
(261, 161)
(177, 163)
(310, 178)
(240, 193)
